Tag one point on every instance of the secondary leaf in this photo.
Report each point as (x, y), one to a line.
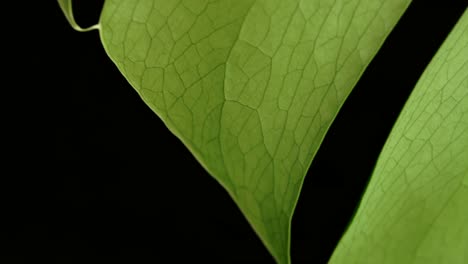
(415, 209)
(249, 86)
(66, 6)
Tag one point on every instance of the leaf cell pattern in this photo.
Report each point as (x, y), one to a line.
(249, 86)
(415, 209)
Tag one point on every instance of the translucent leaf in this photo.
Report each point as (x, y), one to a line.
(415, 209)
(249, 86)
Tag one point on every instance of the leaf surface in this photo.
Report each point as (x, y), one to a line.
(415, 209)
(249, 86)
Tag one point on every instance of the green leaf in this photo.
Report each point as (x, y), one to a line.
(66, 6)
(415, 209)
(249, 86)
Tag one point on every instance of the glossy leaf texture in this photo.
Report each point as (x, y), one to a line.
(415, 209)
(249, 86)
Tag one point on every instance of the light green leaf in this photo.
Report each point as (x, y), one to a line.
(415, 209)
(249, 86)
(66, 6)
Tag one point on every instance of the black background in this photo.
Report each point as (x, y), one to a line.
(101, 178)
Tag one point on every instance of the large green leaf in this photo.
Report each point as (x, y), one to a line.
(415, 209)
(249, 86)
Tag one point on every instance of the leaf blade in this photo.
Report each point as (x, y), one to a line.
(250, 87)
(414, 209)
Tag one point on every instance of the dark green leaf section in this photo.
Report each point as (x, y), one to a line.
(415, 209)
(249, 86)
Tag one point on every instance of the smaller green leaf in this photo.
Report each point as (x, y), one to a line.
(415, 209)
(66, 6)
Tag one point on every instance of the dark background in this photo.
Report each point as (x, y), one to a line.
(102, 179)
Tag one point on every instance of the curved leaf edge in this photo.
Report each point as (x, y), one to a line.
(464, 179)
(197, 154)
(67, 9)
